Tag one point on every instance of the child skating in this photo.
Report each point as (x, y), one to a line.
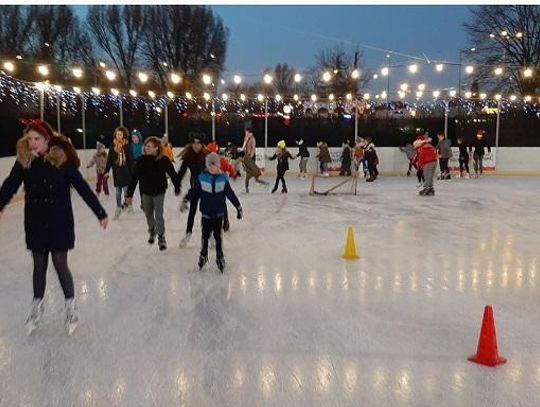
(211, 188)
(100, 161)
(282, 155)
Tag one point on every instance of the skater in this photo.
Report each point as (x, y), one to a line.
(234, 157)
(226, 167)
(120, 159)
(324, 158)
(372, 160)
(346, 160)
(282, 155)
(136, 144)
(212, 187)
(427, 162)
(410, 153)
(100, 161)
(445, 153)
(252, 170)
(150, 172)
(47, 164)
(167, 148)
(463, 159)
(303, 153)
(193, 157)
(359, 155)
(479, 145)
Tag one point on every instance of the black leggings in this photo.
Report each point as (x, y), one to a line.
(212, 226)
(41, 262)
(464, 163)
(280, 176)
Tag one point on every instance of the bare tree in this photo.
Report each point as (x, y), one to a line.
(187, 40)
(284, 79)
(119, 32)
(340, 66)
(14, 30)
(507, 37)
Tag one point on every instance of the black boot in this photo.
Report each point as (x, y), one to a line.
(220, 261)
(162, 242)
(203, 259)
(284, 191)
(152, 236)
(274, 189)
(430, 192)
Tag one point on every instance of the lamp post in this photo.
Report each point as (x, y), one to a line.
(58, 117)
(267, 80)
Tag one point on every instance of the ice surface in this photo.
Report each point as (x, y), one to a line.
(290, 323)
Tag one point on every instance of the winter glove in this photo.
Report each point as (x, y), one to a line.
(239, 213)
(184, 206)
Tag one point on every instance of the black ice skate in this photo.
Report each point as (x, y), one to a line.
(220, 261)
(152, 237)
(284, 191)
(162, 242)
(430, 192)
(202, 261)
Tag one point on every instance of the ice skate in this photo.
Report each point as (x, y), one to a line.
(72, 316)
(35, 316)
(152, 237)
(420, 185)
(129, 209)
(220, 261)
(284, 191)
(423, 192)
(185, 240)
(162, 243)
(117, 213)
(202, 261)
(274, 189)
(430, 192)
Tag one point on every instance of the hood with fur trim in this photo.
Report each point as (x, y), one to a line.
(61, 152)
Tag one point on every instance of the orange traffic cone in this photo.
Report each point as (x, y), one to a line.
(350, 247)
(487, 352)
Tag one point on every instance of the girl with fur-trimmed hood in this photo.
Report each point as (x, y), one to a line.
(121, 161)
(47, 164)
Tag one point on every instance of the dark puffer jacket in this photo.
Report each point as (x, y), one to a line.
(48, 213)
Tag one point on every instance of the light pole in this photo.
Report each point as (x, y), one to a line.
(58, 118)
(267, 80)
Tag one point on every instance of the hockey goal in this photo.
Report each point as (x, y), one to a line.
(334, 186)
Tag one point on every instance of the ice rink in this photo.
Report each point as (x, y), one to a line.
(290, 323)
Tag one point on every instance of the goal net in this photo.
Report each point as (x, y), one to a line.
(333, 185)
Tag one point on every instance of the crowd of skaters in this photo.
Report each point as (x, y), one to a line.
(48, 166)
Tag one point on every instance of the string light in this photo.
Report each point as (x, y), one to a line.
(348, 96)
(237, 79)
(207, 79)
(296, 97)
(452, 93)
(102, 64)
(385, 71)
(110, 75)
(278, 98)
(175, 78)
(9, 66)
(58, 88)
(96, 91)
(527, 73)
(436, 93)
(133, 93)
(498, 97)
(469, 69)
(375, 76)
(327, 76)
(267, 79)
(152, 94)
(513, 98)
(404, 87)
(498, 71)
(413, 68)
(225, 97)
(115, 92)
(77, 72)
(76, 89)
(19, 57)
(143, 77)
(43, 70)
(189, 96)
(170, 95)
(331, 96)
(367, 96)
(260, 97)
(355, 74)
(419, 94)
(468, 95)
(297, 77)
(483, 96)
(439, 67)
(528, 98)
(242, 97)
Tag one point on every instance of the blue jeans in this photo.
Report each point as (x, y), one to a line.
(119, 195)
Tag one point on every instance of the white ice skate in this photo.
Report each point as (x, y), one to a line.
(35, 316)
(185, 240)
(72, 316)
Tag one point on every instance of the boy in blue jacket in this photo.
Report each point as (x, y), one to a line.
(212, 187)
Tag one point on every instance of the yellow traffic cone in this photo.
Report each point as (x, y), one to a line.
(350, 247)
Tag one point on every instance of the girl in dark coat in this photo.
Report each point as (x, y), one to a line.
(121, 161)
(346, 159)
(193, 156)
(282, 156)
(47, 164)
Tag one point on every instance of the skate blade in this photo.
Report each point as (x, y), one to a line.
(30, 328)
(71, 328)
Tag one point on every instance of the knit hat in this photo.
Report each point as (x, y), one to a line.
(212, 147)
(281, 144)
(212, 159)
(99, 145)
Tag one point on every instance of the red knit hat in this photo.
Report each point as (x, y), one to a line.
(40, 126)
(212, 147)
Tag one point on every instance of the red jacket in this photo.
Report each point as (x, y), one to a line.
(224, 164)
(426, 154)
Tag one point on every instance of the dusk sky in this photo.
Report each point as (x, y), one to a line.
(262, 36)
